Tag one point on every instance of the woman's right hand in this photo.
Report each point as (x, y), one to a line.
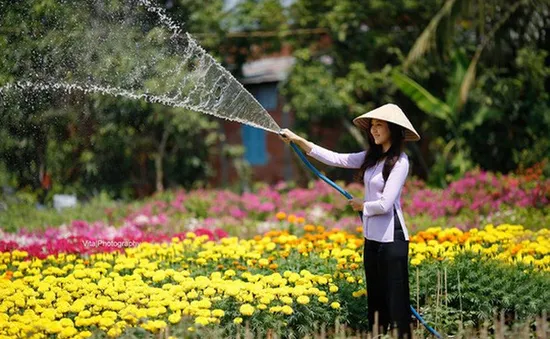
(288, 136)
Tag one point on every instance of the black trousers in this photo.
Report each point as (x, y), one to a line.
(387, 276)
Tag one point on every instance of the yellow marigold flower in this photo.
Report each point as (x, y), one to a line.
(415, 261)
(218, 313)
(229, 273)
(262, 306)
(85, 334)
(286, 300)
(174, 318)
(192, 295)
(333, 288)
(238, 320)
(270, 246)
(359, 293)
(304, 300)
(246, 309)
(153, 312)
(335, 305)
(159, 276)
(66, 322)
(67, 332)
(275, 309)
(202, 321)
(114, 332)
(233, 290)
(106, 322)
(323, 300)
(263, 262)
(204, 303)
(287, 310)
(322, 280)
(190, 235)
(54, 327)
(209, 291)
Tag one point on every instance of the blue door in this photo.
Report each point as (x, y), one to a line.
(254, 139)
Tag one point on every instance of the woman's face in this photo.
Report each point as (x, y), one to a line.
(380, 131)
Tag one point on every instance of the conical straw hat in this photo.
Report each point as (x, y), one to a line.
(390, 113)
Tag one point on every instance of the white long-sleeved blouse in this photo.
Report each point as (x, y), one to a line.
(380, 199)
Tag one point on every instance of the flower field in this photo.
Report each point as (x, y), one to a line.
(278, 281)
(279, 262)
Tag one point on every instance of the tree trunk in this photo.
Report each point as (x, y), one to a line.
(159, 157)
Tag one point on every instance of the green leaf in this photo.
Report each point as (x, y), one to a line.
(422, 44)
(483, 114)
(422, 98)
(460, 64)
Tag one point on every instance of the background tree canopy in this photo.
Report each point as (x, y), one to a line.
(473, 77)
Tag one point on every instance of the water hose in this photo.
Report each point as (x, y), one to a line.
(349, 196)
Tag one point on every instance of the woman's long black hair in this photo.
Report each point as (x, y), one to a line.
(375, 153)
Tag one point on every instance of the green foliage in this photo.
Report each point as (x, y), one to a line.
(473, 290)
(370, 42)
(354, 65)
(90, 143)
(20, 212)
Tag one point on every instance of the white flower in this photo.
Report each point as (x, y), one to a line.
(265, 226)
(141, 220)
(316, 213)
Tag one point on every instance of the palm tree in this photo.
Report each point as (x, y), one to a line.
(491, 17)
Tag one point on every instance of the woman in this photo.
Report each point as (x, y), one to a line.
(384, 168)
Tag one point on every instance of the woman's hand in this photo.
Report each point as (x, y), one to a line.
(289, 136)
(356, 204)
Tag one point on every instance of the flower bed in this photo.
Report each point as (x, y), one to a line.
(281, 281)
(465, 204)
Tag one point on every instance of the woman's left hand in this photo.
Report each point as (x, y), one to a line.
(356, 204)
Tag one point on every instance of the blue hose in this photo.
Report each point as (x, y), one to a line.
(349, 196)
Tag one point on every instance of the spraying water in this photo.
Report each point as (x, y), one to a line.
(166, 66)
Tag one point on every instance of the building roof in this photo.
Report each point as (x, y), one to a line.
(267, 70)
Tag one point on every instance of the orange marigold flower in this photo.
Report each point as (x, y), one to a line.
(273, 266)
(292, 218)
(464, 237)
(309, 228)
(516, 249)
(280, 215)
